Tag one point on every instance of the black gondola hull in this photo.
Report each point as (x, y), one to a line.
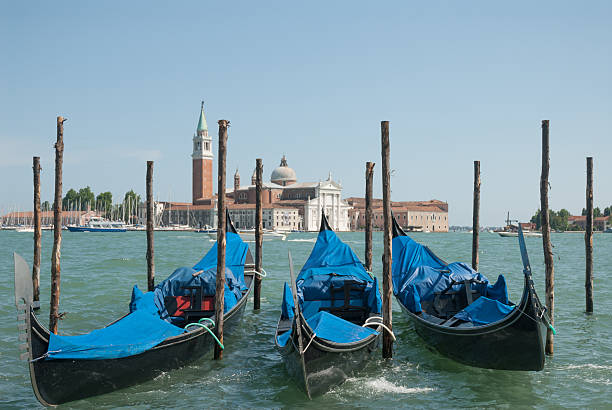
(64, 380)
(326, 364)
(514, 343)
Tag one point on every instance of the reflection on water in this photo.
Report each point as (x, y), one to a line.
(98, 272)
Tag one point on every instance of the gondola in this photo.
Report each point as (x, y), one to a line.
(330, 321)
(458, 312)
(166, 329)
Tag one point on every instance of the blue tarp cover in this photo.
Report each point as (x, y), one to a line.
(183, 277)
(484, 311)
(332, 328)
(330, 263)
(235, 256)
(417, 273)
(144, 327)
(134, 334)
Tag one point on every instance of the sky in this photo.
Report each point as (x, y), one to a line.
(458, 81)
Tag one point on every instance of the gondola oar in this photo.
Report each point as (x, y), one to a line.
(298, 323)
(527, 272)
(524, 256)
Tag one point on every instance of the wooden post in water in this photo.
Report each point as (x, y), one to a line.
(221, 227)
(545, 222)
(258, 232)
(150, 229)
(588, 237)
(387, 350)
(369, 174)
(57, 228)
(37, 233)
(476, 215)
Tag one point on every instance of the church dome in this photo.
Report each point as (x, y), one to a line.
(283, 175)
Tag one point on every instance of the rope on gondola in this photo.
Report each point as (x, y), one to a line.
(199, 324)
(44, 356)
(368, 323)
(262, 275)
(311, 339)
(547, 322)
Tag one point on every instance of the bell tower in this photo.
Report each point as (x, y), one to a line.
(202, 181)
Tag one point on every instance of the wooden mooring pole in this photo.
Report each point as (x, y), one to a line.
(37, 234)
(221, 227)
(150, 229)
(588, 237)
(545, 223)
(57, 228)
(369, 174)
(387, 349)
(476, 215)
(258, 232)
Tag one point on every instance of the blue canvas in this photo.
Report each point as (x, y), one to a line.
(484, 311)
(134, 334)
(330, 327)
(235, 256)
(417, 274)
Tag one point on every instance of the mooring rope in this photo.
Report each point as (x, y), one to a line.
(368, 323)
(308, 345)
(545, 319)
(199, 324)
(258, 273)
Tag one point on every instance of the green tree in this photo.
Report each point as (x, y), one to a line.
(596, 212)
(608, 211)
(45, 206)
(583, 212)
(535, 219)
(71, 198)
(130, 202)
(87, 198)
(104, 202)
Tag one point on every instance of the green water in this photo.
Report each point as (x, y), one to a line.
(99, 270)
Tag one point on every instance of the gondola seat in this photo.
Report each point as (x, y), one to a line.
(348, 291)
(344, 297)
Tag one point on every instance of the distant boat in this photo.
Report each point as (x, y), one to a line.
(510, 234)
(511, 231)
(248, 235)
(174, 227)
(97, 224)
(609, 230)
(24, 229)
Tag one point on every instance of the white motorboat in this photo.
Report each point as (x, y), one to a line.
(248, 235)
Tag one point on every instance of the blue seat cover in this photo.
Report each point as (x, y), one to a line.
(145, 326)
(484, 311)
(134, 334)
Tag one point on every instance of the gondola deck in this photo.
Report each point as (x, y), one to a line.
(315, 361)
(60, 380)
(514, 342)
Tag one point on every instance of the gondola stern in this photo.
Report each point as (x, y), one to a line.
(25, 316)
(396, 228)
(324, 222)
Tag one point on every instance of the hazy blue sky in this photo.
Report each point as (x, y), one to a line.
(458, 81)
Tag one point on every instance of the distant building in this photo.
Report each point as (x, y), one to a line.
(309, 198)
(202, 160)
(46, 218)
(411, 215)
(600, 223)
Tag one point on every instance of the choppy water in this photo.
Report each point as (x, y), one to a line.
(99, 270)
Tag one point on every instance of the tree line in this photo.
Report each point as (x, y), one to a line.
(84, 199)
(559, 219)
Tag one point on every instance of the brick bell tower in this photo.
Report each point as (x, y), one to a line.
(202, 179)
